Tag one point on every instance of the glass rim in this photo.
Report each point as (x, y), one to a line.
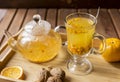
(82, 13)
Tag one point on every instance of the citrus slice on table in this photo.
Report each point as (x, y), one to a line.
(112, 52)
(15, 72)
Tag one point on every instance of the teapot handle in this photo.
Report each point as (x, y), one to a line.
(62, 31)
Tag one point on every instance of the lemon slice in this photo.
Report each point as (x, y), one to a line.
(15, 72)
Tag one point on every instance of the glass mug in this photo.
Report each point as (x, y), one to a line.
(80, 29)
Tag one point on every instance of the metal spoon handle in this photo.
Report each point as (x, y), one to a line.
(98, 11)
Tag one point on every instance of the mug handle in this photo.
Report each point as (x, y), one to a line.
(62, 31)
(102, 45)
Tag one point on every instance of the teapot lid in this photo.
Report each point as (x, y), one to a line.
(37, 26)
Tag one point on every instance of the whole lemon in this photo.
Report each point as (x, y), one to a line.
(112, 51)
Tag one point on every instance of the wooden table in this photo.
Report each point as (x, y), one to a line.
(108, 24)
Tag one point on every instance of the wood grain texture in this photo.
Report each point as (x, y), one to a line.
(2, 13)
(29, 15)
(42, 13)
(18, 21)
(115, 15)
(6, 21)
(15, 25)
(104, 23)
(51, 17)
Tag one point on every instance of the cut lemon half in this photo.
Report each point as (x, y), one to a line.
(15, 72)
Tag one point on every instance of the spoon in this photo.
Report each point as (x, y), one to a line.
(98, 11)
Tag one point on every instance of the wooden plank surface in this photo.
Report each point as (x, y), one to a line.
(4, 24)
(51, 17)
(108, 25)
(104, 23)
(16, 22)
(2, 13)
(115, 16)
(29, 15)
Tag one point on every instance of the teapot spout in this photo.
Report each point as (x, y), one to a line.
(7, 34)
(11, 40)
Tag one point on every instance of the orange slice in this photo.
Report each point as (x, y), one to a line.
(15, 72)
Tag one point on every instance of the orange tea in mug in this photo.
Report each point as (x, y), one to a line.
(80, 31)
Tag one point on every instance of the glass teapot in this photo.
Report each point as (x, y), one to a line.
(37, 42)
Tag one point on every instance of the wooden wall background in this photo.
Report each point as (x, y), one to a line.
(59, 3)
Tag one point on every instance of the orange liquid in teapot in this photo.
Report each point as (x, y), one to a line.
(41, 49)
